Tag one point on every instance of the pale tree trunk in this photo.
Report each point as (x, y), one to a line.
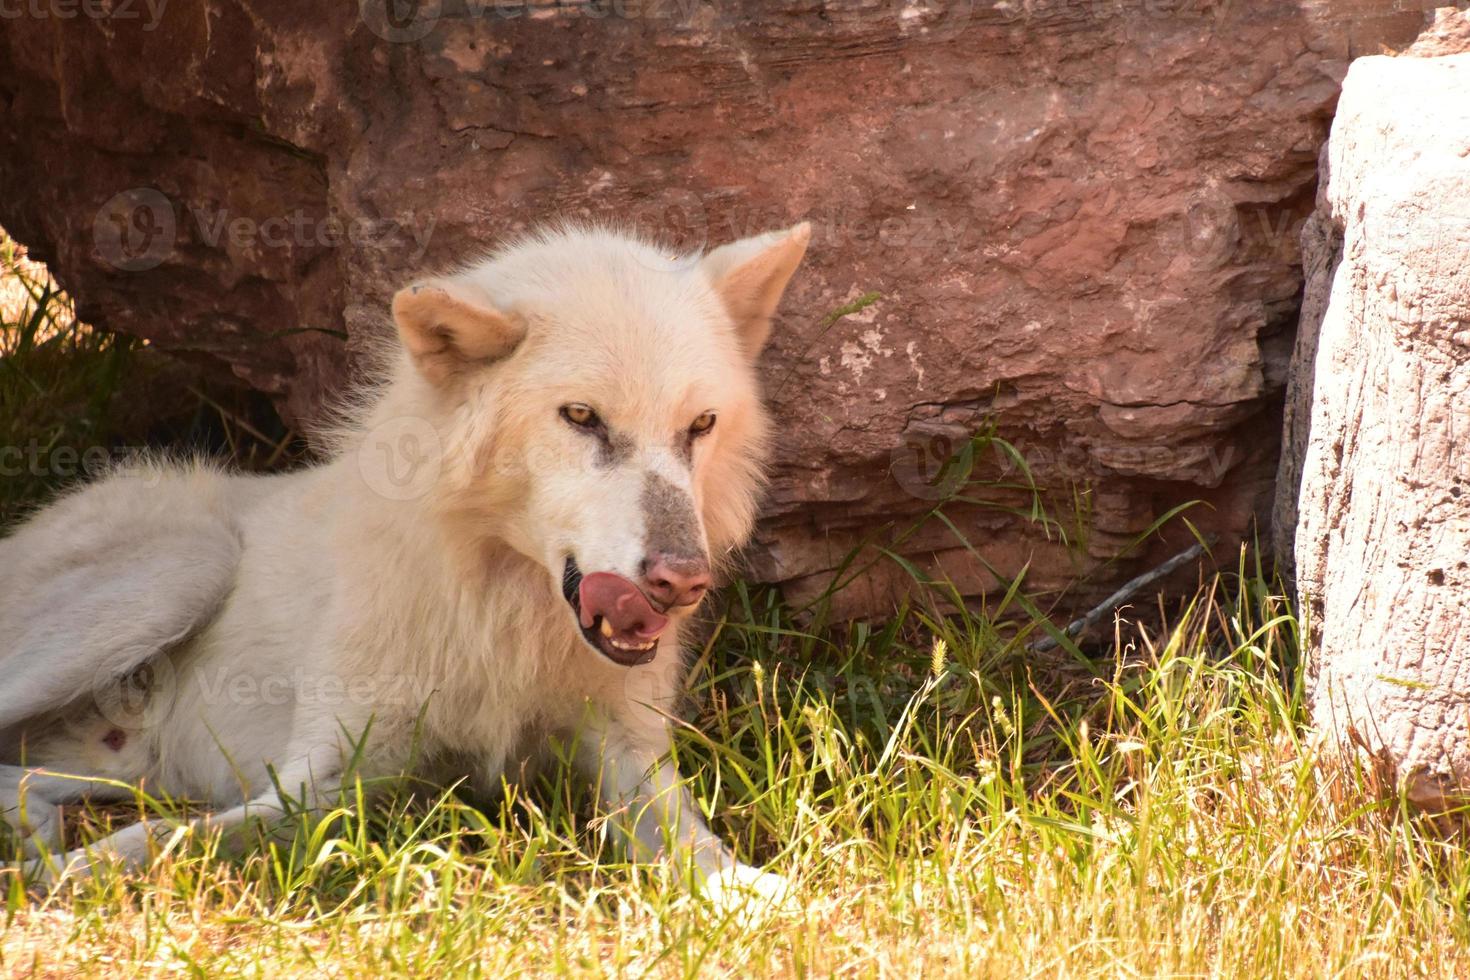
(1381, 427)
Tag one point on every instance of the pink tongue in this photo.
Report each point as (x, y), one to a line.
(621, 603)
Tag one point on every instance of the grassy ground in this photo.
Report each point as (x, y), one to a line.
(946, 802)
(946, 805)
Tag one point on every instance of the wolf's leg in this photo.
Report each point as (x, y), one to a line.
(318, 777)
(31, 799)
(30, 814)
(633, 776)
(659, 817)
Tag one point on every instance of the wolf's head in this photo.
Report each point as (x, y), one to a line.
(598, 409)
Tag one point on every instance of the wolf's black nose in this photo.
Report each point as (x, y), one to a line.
(672, 580)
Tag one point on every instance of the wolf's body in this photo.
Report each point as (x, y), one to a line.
(526, 505)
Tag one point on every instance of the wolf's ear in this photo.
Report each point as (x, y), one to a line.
(750, 275)
(449, 327)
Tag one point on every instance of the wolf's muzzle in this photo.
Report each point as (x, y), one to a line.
(616, 617)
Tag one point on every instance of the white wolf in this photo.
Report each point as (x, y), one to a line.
(510, 531)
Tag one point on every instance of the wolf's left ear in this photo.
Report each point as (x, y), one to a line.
(750, 275)
(449, 327)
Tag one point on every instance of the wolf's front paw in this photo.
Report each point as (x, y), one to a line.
(744, 892)
(44, 875)
(35, 825)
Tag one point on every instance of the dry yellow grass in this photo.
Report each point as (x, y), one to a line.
(22, 285)
(993, 818)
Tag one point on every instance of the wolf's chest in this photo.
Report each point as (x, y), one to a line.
(490, 707)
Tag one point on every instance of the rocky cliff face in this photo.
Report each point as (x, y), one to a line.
(1076, 222)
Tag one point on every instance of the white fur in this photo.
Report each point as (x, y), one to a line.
(403, 598)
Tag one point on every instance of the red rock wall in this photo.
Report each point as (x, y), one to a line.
(1081, 219)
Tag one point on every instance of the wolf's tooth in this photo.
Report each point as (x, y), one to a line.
(607, 629)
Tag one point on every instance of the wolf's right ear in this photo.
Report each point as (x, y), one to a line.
(449, 327)
(750, 275)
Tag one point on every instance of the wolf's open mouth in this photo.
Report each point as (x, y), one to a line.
(616, 618)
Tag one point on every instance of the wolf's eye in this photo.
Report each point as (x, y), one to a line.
(581, 416)
(703, 424)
